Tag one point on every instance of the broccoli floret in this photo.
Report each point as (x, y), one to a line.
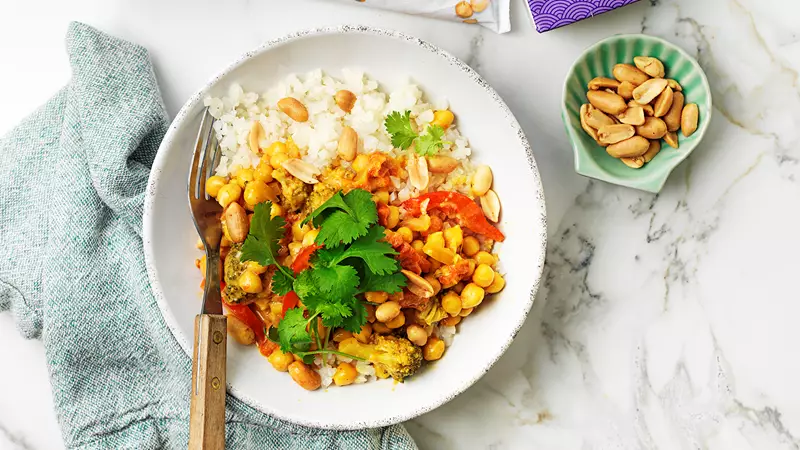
(397, 356)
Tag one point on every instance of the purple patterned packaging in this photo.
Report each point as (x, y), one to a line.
(550, 14)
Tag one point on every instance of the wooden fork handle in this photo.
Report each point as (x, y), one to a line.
(207, 418)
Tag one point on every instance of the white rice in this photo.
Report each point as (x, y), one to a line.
(318, 137)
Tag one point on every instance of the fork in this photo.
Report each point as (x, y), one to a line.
(207, 414)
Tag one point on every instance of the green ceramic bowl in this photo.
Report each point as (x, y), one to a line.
(591, 160)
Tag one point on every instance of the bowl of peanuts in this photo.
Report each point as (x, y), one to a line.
(634, 107)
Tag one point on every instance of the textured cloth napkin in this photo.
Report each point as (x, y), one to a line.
(72, 186)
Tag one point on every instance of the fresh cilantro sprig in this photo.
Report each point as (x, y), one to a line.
(354, 258)
(398, 125)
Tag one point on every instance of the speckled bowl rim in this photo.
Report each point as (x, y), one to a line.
(190, 105)
(701, 129)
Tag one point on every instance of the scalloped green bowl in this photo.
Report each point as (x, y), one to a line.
(591, 160)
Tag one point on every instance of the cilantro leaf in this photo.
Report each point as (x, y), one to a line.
(431, 142)
(399, 127)
(261, 244)
(281, 283)
(376, 253)
(292, 334)
(389, 283)
(346, 218)
(336, 281)
(336, 201)
(358, 318)
(329, 292)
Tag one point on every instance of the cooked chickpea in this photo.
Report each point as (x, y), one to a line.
(363, 335)
(458, 287)
(433, 350)
(394, 217)
(277, 160)
(376, 297)
(387, 311)
(275, 148)
(444, 118)
(417, 245)
(214, 184)
(255, 192)
(497, 284)
(435, 265)
(397, 322)
(406, 234)
(250, 282)
(228, 194)
(310, 237)
(279, 360)
(485, 258)
(341, 334)
(417, 335)
(471, 296)
(345, 374)
(360, 163)
(451, 303)
(298, 232)
(451, 321)
(305, 376)
(437, 287)
(255, 267)
(470, 246)
(295, 248)
(263, 172)
(381, 197)
(483, 275)
(244, 176)
(465, 312)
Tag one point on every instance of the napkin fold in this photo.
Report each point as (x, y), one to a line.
(72, 187)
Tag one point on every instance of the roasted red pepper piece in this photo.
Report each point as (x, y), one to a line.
(458, 206)
(383, 214)
(249, 318)
(290, 300)
(301, 261)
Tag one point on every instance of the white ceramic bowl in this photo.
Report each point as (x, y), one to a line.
(496, 139)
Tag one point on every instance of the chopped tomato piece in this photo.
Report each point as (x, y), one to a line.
(290, 300)
(458, 206)
(301, 261)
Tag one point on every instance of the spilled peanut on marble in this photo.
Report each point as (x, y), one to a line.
(631, 113)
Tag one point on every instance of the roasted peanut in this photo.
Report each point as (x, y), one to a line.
(673, 117)
(671, 138)
(417, 285)
(293, 108)
(256, 132)
(674, 85)
(611, 134)
(417, 168)
(602, 83)
(490, 203)
(663, 102)
(305, 376)
(629, 148)
(653, 128)
(589, 130)
(689, 118)
(632, 116)
(236, 222)
(240, 332)
(634, 163)
(625, 90)
(649, 90)
(479, 5)
(348, 143)
(441, 164)
(463, 9)
(627, 72)
(345, 100)
(596, 118)
(649, 65)
(481, 180)
(652, 151)
(648, 110)
(301, 170)
(606, 102)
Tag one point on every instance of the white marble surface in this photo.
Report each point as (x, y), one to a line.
(665, 322)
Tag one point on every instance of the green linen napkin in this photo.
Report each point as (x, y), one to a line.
(72, 186)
